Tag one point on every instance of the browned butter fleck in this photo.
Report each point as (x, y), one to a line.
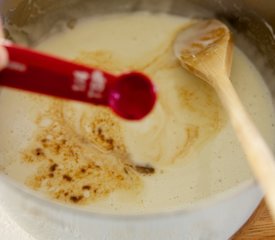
(145, 170)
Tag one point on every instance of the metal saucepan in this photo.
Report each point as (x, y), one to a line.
(27, 22)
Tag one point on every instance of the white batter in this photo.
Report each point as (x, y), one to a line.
(82, 155)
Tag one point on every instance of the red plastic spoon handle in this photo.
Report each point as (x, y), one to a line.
(131, 95)
(40, 73)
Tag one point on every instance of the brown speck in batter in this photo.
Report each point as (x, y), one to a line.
(86, 187)
(39, 152)
(67, 178)
(76, 199)
(51, 175)
(53, 167)
(146, 170)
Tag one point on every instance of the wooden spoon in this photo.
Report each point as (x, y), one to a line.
(205, 49)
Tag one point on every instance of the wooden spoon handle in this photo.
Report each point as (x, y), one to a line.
(257, 152)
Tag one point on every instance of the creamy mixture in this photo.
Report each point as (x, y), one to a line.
(84, 155)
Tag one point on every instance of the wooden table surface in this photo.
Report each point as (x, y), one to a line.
(258, 227)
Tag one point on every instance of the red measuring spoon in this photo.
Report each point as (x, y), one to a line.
(131, 95)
